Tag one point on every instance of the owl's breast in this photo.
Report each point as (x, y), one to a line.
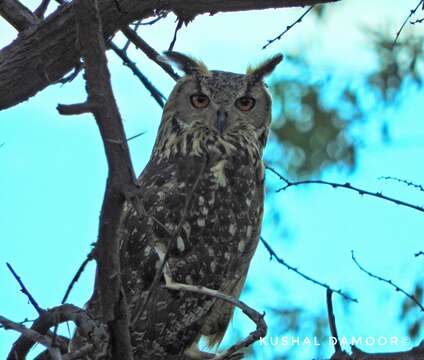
(221, 227)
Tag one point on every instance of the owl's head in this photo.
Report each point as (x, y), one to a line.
(222, 104)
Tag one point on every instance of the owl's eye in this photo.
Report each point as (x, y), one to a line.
(245, 103)
(199, 101)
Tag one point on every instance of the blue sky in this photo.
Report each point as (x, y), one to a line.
(53, 174)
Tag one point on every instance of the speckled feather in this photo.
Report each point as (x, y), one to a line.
(202, 198)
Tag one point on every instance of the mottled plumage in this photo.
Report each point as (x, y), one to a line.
(202, 200)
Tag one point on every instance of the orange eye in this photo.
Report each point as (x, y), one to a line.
(245, 103)
(199, 101)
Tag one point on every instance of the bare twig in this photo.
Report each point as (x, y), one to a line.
(136, 136)
(332, 322)
(257, 318)
(32, 335)
(128, 43)
(174, 39)
(288, 28)
(345, 186)
(96, 331)
(273, 255)
(418, 21)
(419, 253)
(25, 290)
(406, 182)
(411, 13)
(390, 282)
(151, 53)
(156, 94)
(41, 10)
(17, 15)
(76, 277)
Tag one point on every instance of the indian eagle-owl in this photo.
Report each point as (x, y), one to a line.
(202, 202)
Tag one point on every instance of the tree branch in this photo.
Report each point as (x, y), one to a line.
(120, 177)
(151, 53)
(156, 94)
(24, 290)
(34, 61)
(34, 336)
(94, 330)
(387, 281)
(273, 255)
(344, 186)
(257, 318)
(17, 15)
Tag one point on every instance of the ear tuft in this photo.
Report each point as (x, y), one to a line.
(189, 65)
(264, 69)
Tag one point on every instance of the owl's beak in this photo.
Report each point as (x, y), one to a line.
(221, 120)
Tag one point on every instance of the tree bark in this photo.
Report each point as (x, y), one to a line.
(44, 53)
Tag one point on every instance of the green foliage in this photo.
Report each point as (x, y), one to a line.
(411, 314)
(313, 134)
(314, 118)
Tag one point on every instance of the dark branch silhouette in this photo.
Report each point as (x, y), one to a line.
(344, 186)
(390, 282)
(273, 255)
(411, 13)
(288, 28)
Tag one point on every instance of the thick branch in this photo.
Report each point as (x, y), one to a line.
(17, 15)
(55, 316)
(120, 177)
(34, 61)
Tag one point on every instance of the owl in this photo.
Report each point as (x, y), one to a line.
(199, 210)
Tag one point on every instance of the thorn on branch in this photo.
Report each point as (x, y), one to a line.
(273, 255)
(387, 281)
(288, 28)
(24, 290)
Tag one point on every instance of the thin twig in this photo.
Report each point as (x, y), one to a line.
(256, 317)
(273, 255)
(151, 53)
(128, 43)
(24, 290)
(76, 277)
(332, 322)
(418, 21)
(390, 282)
(411, 13)
(406, 182)
(174, 39)
(345, 186)
(41, 10)
(33, 335)
(156, 94)
(288, 28)
(136, 136)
